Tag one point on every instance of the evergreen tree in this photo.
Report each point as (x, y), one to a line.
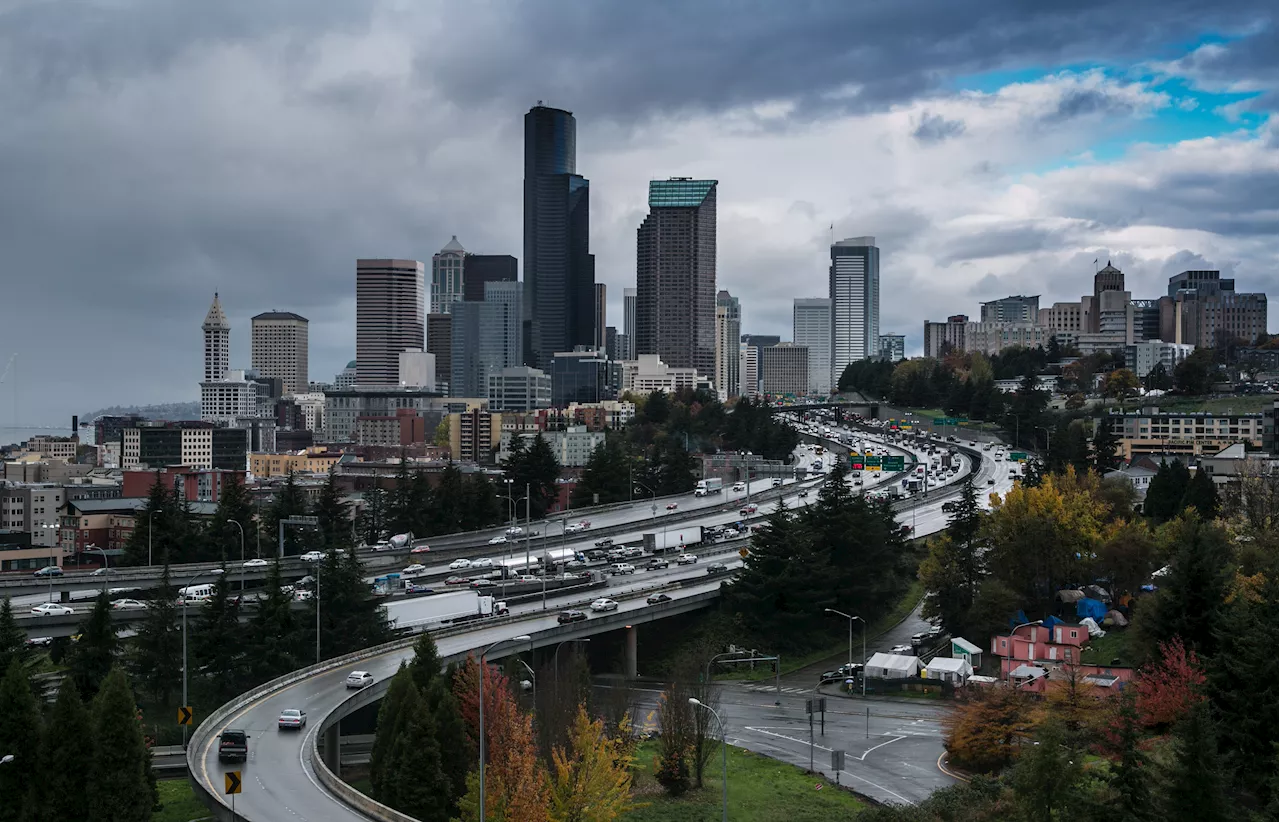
(1105, 444)
(91, 659)
(273, 646)
(19, 736)
(402, 511)
(155, 527)
(422, 500)
(414, 780)
(1193, 592)
(605, 478)
(333, 515)
(13, 640)
(1195, 788)
(426, 666)
(451, 734)
(1130, 780)
(119, 784)
(1202, 495)
(289, 502)
(532, 467)
(1165, 493)
(157, 649)
(350, 618)
(216, 646)
(448, 509)
(481, 509)
(373, 519)
(65, 758)
(232, 525)
(386, 729)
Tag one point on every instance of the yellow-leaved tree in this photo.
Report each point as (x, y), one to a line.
(592, 780)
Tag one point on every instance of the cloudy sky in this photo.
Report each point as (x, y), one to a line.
(153, 152)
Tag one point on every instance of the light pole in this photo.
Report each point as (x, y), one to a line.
(6, 759)
(318, 564)
(151, 514)
(1047, 452)
(53, 557)
(533, 680)
(190, 582)
(237, 524)
(724, 757)
(851, 618)
(555, 663)
(106, 563)
(517, 638)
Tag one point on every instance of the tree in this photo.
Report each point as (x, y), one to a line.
(1170, 688)
(1047, 773)
(19, 735)
(1075, 401)
(119, 782)
(386, 729)
(1130, 781)
(232, 524)
(481, 509)
(13, 640)
(1127, 555)
(441, 436)
(1194, 375)
(92, 658)
(373, 519)
(1195, 784)
(157, 649)
(605, 477)
(350, 617)
(953, 570)
(413, 780)
(591, 781)
(289, 502)
(274, 642)
(448, 509)
(333, 515)
(993, 606)
(1202, 495)
(1104, 447)
(675, 740)
(1165, 493)
(158, 527)
(216, 645)
(1158, 379)
(65, 758)
(987, 728)
(1121, 384)
(532, 466)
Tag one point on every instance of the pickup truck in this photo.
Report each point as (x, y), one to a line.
(233, 746)
(655, 563)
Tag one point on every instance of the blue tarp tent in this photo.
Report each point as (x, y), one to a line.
(1019, 618)
(1049, 622)
(1091, 608)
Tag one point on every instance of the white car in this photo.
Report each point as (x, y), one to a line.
(515, 531)
(52, 609)
(573, 528)
(255, 563)
(482, 562)
(129, 605)
(686, 559)
(902, 649)
(498, 540)
(292, 719)
(312, 556)
(359, 679)
(739, 486)
(413, 570)
(601, 605)
(459, 564)
(101, 572)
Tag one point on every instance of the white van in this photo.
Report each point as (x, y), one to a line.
(195, 593)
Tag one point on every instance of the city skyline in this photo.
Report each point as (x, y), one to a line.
(981, 176)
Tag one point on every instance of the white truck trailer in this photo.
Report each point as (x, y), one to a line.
(676, 538)
(438, 609)
(712, 485)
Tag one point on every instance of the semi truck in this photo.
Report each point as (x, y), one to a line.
(713, 485)
(676, 538)
(439, 609)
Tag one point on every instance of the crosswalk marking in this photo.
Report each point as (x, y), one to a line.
(772, 689)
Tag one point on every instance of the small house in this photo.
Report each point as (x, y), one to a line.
(1029, 678)
(893, 666)
(955, 671)
(962, 648)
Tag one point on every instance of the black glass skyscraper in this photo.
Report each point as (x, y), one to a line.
(559, 269)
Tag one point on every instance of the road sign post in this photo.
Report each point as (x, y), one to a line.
(837, 763)
(231, 780)
(184, 715)
(808, 708)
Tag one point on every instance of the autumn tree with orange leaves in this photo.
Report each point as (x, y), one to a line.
(592, 779)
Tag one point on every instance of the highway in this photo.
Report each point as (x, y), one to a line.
(280, 780)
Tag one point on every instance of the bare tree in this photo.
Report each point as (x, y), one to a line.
(691, 673)
(675, 726)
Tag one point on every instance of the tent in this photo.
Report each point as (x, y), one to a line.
(893, 666)
(1048, 624)
(1116, 618)
(948, 670)
(1097, 592)
(1092, 627)
(1091, 608)
(1070, 596)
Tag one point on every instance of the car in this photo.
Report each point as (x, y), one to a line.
(747, 510)
(482, 562)
(514, 531)
(303, 596)
(101, 572)
(459, 564)
(776, 483)
(39, 641)
(739, 486)
(413, 570)
(603, 604)
(655, 563)
(49, 571)
(621, 568)
(948, 507)
(991, 482)
(804, 495)
(292, 719)
(905, 531)
(421, 549)
(901, 649)
(657, 599)
(52, 609)
(686, 559)
(255, 563)
(359, 679)
(575, 565)
(673, 506)
(607, 542)
(483, 583)
(312, 556)
(457, 580)
(565, 617)
(498, 540)
(717, 568)
(573, 528)
(417, 588)
(857, 482)
(128, 605)
(595, 554)
(233, 746)
(844, 671)
(633, 552)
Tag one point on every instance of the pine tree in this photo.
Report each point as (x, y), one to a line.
(92, 658)
(350, 618)
(1164, 494)
(119, 785)
(1130, 779)
(481, 509)
(153, 531)
(449, 504)
(373, 519)
(13, 640)
(273, 645)
(215, 643)
(1202, 495)
(1192, 594)
(19, 736)
(1104, 447)
(402, 511)
(534, 466)
(157, 649)
(289, 502)
(414, 780)
(451, 734)
(1195, 791)
(333, 515)
(604, 479)
(65, 758)
(232, 525)
(386, 729)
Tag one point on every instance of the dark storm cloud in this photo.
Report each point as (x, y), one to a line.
(1248, 62)
(934, 128)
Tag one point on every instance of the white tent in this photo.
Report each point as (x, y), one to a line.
(893, 666)
(949, 670)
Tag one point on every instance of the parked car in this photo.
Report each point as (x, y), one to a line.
(717, 568)
(128, 605)
(845, 671)
(359, 679)
(312, 556)
(52, 609)
(571, 616)
(292, 719)
(233, 746)
(686, 559)
(901, 649)
(655, 564)
(657, 599)
(255, 563)
(621, 568)
(459, 564)
(49, 571)
(603, 604)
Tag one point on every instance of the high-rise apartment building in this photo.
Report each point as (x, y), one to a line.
(811, 328)
(447, 273)
(1016, 309)
(1205, 310)
(279, 341)
(942, 338)
(601, 314)
(676, 274)
(854, 290)
(629, 323)
(479, 269)
(389, 317)
(486, 338)
(728, 355)
(559, 269)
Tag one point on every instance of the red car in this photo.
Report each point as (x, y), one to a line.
(421, 549)
(458, 581)
(673, 506)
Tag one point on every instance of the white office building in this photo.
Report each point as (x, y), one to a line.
(728, 333)
(854, 291)
(811, 328)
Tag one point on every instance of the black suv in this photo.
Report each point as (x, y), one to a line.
(571, 616)
(233, 746)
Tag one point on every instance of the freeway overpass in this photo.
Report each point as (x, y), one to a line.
(296, 775)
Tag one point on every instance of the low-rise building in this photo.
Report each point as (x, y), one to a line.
(572, 446)
(1151, 431)
(344, 408)
(519, 388)
(54, 448)
(315, 460)
(31, 508)
(647, 373)
(1141, 358)
(191, 484)
(405, 427)
(609, 415)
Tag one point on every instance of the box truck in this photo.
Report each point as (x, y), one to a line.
(675, 539)
(439, 609)
(714, 485)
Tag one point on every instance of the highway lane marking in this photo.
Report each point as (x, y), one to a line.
(863, 758)
(850, 773)
(784, 736)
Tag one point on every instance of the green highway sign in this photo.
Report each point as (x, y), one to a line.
(1017, 456)
(892, 463)
(871, 461)
(943, 421)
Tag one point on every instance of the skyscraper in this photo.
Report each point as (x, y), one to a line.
(479, 269)
(440, 344)
(601, 314)
(629, 323)
(486, 338)
(854, 290)
(728, 355)
(811, 327)
(389, 317)
(217, 342)
(676, 274)
(447, 273)
(559, 269)
(279, 349)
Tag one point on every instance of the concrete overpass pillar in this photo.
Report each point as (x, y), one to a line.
(630, 666)
(333, 749)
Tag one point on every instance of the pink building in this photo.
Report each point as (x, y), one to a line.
(1050, 648)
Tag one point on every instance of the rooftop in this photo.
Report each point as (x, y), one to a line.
(679, 192)
(281, 315)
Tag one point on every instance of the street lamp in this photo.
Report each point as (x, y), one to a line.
(106, 563)
(533, 680)
(517, 638)
(555, 660)
(53, 557)
(851, 618)
(212, 572)
(6, 759)
(1047, 452)
(724, 757)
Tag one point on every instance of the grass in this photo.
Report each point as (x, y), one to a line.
(760, 790)
(180, 802)
(1246, 404)
(1101, 650)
